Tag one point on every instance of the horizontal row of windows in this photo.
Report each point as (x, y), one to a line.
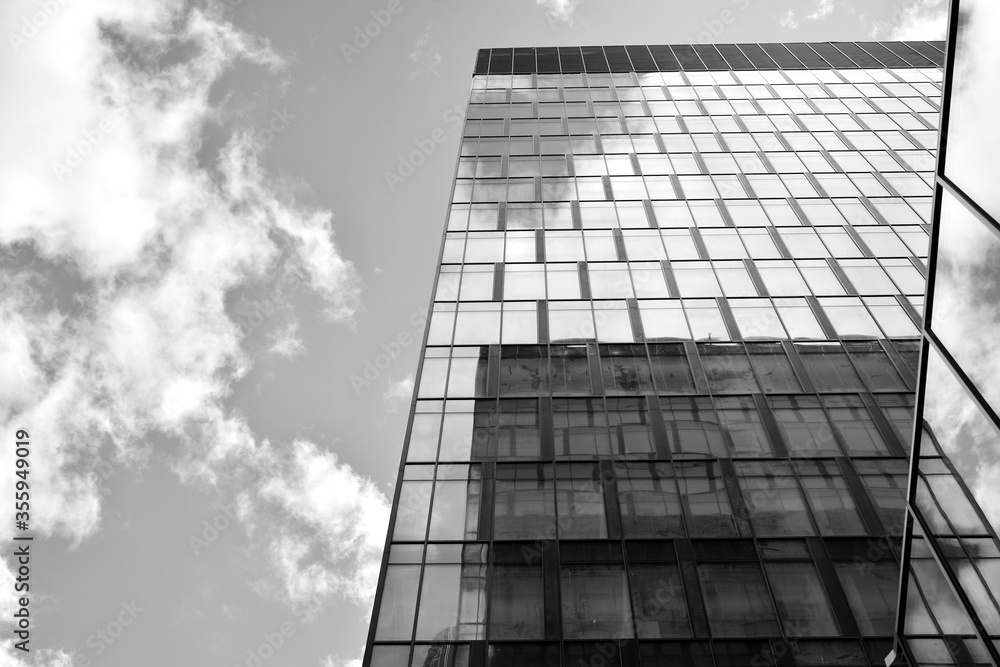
(785, 162)
(638, 500)
(501, 120)
(732, 142)
(504, 594)
(685, 428)
(678, 279)
(721, 78)
(527, 323)
(636, 243)
(718, 186)
(713, 91)
(668, 368)
(649, 653)
(841, 211)
(865, 108)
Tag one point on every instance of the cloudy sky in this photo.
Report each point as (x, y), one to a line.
(202, 258)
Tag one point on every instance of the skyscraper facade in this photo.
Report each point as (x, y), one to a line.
(950, 597)
(665, 401)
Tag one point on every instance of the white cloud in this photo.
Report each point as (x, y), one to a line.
(918, 20)
(323, 525)
(823, 9)
(337, 661)
(560, 10)
(285, 342)
(398, 393)
(118, 250)
(425, 54)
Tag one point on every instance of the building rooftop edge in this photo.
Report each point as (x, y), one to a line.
(709, 57)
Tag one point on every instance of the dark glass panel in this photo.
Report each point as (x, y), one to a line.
(625, 369)
(671, 654)
(649, 500)
(517, 605)
(595, 602)
(833, 507)
(671, 371)
(658, 604)
(853, 423)
(773, 368)
(524, 508)
(829, 367)
(692, 426)
(523, 370)
(523, 655)
(774, 500)
(570, 369)
(517, 429)
(741, 423)
(580, 428)
(871, 589)
(580, 504)
(875, 366)
(802, 603)
(707, 510)
(805, 426)
(737, 600)
(727, 368)
(631, 430)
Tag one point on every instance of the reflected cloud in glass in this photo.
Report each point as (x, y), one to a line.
(973, 137)
(964, 435)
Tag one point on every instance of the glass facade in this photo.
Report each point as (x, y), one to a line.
(950, 597)
(667, 391)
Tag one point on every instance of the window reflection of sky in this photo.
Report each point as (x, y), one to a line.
(964, 434)
(973, 138)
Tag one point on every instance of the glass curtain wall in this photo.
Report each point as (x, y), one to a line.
(666, 398)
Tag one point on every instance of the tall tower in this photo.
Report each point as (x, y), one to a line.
(666, 397)
(950, 597)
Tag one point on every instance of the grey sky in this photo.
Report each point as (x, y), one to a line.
(185, 328)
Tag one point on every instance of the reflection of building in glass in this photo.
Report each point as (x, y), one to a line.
(950, 600)
(666, 395)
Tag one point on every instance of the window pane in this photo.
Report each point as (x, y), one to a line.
(399, 602)
(776, 506)
(773, 368)
(658, 602)
(595, 602)
(524, 508)
(832, 505)
(742, 425)
(706, 503)
(581, 509)
(411, 512)
(580, 428)
(805, 426)
(517, 606)
(802, 603)
(737, 600)
(854, 425)
(871, 590)
(829, 367)
(452, 602)
(727, 368)
(649, 501)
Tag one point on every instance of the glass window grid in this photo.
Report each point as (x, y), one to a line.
(685, 78)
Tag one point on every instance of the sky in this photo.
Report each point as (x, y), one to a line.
(215, 258)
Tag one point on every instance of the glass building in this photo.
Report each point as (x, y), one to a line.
(950, 598)
(666, 397)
